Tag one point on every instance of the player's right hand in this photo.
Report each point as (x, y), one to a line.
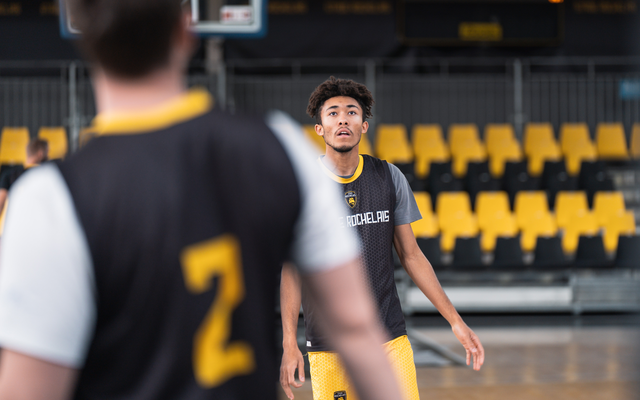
(291, 360)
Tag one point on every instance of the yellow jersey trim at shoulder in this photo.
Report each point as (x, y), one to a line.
(340, 179)
(183, 108)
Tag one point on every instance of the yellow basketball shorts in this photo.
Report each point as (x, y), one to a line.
(329, 379)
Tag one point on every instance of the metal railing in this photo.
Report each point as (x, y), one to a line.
(443, 91)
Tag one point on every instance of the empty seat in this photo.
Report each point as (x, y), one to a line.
(449, 204)
(392, 144)
(13, 145)
(635, 141)
(467, 253)
(507, 253)
(527, 204)
(611, 142)
(606, 205)
(428, 146)
(468, 151)
(317, 140)
(540, 224)
(536, 135)
(569, 204)
(496, 135)
(573, 135)
(628, 254)
(428, 225)
(549, 253)
(590, 253)
(574, 159)
(502, 153)
(544, 152)
(584, 223)
(489, 204)
(460, 134)
(622, 223)
(56, 137)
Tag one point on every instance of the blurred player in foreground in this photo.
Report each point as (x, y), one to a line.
(379, 204)
(144, 266)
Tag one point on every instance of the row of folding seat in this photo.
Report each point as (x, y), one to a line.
(530, 218)
(14, 140)
(499, 146)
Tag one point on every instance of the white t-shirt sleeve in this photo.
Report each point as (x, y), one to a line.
(47, 295)
(320, 243)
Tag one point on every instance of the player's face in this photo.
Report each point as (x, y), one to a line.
(342, 123)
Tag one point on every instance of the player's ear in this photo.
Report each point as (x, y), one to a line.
(319, 130)
(365, 127)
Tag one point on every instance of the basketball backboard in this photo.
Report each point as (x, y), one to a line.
(210, 18)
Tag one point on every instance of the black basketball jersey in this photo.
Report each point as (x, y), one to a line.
(370, 200)
(188, 226)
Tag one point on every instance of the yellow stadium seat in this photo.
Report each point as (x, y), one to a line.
(569, 204)
(461, 225)
(488, 205)
(392, 144)
(365, 146)
(460, 135)
(635, 140)
(584, 223)
(316, 139)
(607, 204)
(428, 225)
(537, 134)
(468, 151)
(57, 139)
(528, 203)
(13, 145)
(496, 135)
(503, 224)
(540, 223)
(622, 223)
(573, 135)
(449, 204)
(611, 142)
(428, 146)
(505, 151)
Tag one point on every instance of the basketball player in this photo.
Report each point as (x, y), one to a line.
(144, 266)
(379, 205)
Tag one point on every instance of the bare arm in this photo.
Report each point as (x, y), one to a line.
(23, 377)
(290, 299)
(421, 272)
(345, 304)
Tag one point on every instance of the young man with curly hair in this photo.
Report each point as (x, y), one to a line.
(380, 206)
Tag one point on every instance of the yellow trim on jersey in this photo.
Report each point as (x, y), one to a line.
(187, 106)
(340, 179)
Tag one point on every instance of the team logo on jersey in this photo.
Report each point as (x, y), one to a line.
(350, 198)
(341, 395)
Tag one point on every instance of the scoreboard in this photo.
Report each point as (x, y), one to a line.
(481, 22)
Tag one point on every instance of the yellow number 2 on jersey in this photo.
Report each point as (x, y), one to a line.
(215, 359)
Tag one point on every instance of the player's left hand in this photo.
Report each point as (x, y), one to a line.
(471, 344)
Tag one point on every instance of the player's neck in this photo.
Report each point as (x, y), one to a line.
(116, 94)
(343, 164)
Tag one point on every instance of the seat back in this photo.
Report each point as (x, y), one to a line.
(539, 224)
(428, 225)
(573, 136)
(496, 135)
(460, 134)
(635, 141)
(428, 146)
(392, 144)
(13, 145)
(490, 204)
(536, 134)
(607, 204)
(527, 204)
(622, 223)
(449, 204)
(584, 223)
(611, 142)
(569, 204)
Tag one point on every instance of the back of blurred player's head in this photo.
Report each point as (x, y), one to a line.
(38, 149)
(127, 38)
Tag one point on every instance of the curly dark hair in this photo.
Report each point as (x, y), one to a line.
(334, 87)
